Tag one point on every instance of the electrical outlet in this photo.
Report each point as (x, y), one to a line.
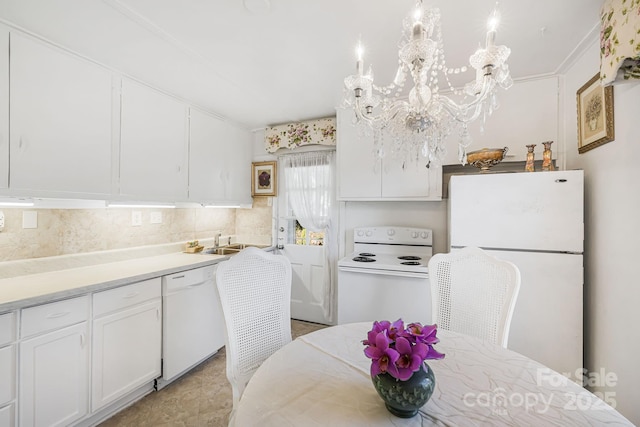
(29, 219)
(155, 217)
(136, 218)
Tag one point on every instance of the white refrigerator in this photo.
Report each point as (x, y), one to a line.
(536, 221)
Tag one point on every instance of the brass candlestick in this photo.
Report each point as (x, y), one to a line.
(547, 161)
(529, 167)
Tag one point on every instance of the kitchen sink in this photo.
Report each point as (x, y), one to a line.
(221, 251)
(245, 245)
(231, 249)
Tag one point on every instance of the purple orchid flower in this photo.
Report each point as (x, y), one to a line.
(383, 358)
(410, 357)
(425, 334)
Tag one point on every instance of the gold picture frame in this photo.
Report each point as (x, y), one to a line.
(264, 179)
(595, 115)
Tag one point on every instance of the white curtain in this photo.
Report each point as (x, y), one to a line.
(311, 190)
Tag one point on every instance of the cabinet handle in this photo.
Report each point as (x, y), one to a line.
(131, 295)
(158, 313)
(82, 340)
(177, 277)
(57, 315)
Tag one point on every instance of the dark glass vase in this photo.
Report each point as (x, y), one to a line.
(404, 398)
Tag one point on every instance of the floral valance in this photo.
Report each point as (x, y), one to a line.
(619, 41)
(293, 135)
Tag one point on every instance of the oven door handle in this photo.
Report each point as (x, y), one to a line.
(384, 272)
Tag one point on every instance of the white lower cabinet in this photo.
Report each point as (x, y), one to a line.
(127, 335)
(7, 370)
(54, 363)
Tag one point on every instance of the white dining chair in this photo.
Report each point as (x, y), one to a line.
(474, 293)
(255, 292)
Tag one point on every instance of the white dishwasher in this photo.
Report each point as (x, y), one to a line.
(193, 326)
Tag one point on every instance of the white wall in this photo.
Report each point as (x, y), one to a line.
(431, 215)
(612, 232)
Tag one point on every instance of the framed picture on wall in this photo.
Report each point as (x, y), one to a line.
(595, 115)
(263, 179)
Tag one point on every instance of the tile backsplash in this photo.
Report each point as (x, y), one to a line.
(73, 231)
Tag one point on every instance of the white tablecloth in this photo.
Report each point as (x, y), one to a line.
(322, 379)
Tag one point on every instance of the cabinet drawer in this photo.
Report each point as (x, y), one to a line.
(7, 374)
(7, 328)
(55, 315)
(125, 296)
(188, 278)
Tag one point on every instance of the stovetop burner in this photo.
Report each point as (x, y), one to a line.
(409, 258)
(363, 259)
(410, 262)
(367, 254)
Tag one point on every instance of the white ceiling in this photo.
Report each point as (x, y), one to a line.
(287, 63)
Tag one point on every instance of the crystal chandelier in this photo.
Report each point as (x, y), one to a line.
(414, 124)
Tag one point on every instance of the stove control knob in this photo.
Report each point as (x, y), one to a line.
(369, 233)
(414, 234)
(391, 232)
(360, 233)
(424, 234)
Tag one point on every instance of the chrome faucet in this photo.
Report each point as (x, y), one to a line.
(216, 239)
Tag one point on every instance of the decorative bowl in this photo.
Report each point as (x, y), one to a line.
(486, 158)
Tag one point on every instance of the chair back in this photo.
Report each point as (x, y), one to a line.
(255, 292)
(474, 293)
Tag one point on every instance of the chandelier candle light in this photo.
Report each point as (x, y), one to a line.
(418, 123)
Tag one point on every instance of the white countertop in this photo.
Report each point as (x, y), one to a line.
(33, 289)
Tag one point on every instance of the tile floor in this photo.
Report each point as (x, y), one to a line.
(200, 398)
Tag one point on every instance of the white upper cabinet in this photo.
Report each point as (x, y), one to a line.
(207, 138)
(4, 107)
(361, 176)
(238, 176)
(153, 146)
(61, 121)
(219, 161)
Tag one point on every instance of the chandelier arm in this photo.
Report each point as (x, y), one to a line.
(458, 112)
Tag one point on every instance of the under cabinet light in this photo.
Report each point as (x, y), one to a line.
(16, 201)
(16, 204)
(140, 205)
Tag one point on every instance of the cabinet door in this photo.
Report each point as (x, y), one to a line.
(4, 107)
(7, 374)
(153, 146)
(61, 124)
(238, 177)
(208, 136)
(7, 416)
(219, 161)
(126, 351)
(359, 174)
(411, 180)
(54, 377)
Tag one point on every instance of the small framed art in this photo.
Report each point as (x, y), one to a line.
(264, 179)
(595, 115)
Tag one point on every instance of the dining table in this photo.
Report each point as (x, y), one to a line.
(323, 379)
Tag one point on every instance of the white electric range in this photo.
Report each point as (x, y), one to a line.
(386, 276)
